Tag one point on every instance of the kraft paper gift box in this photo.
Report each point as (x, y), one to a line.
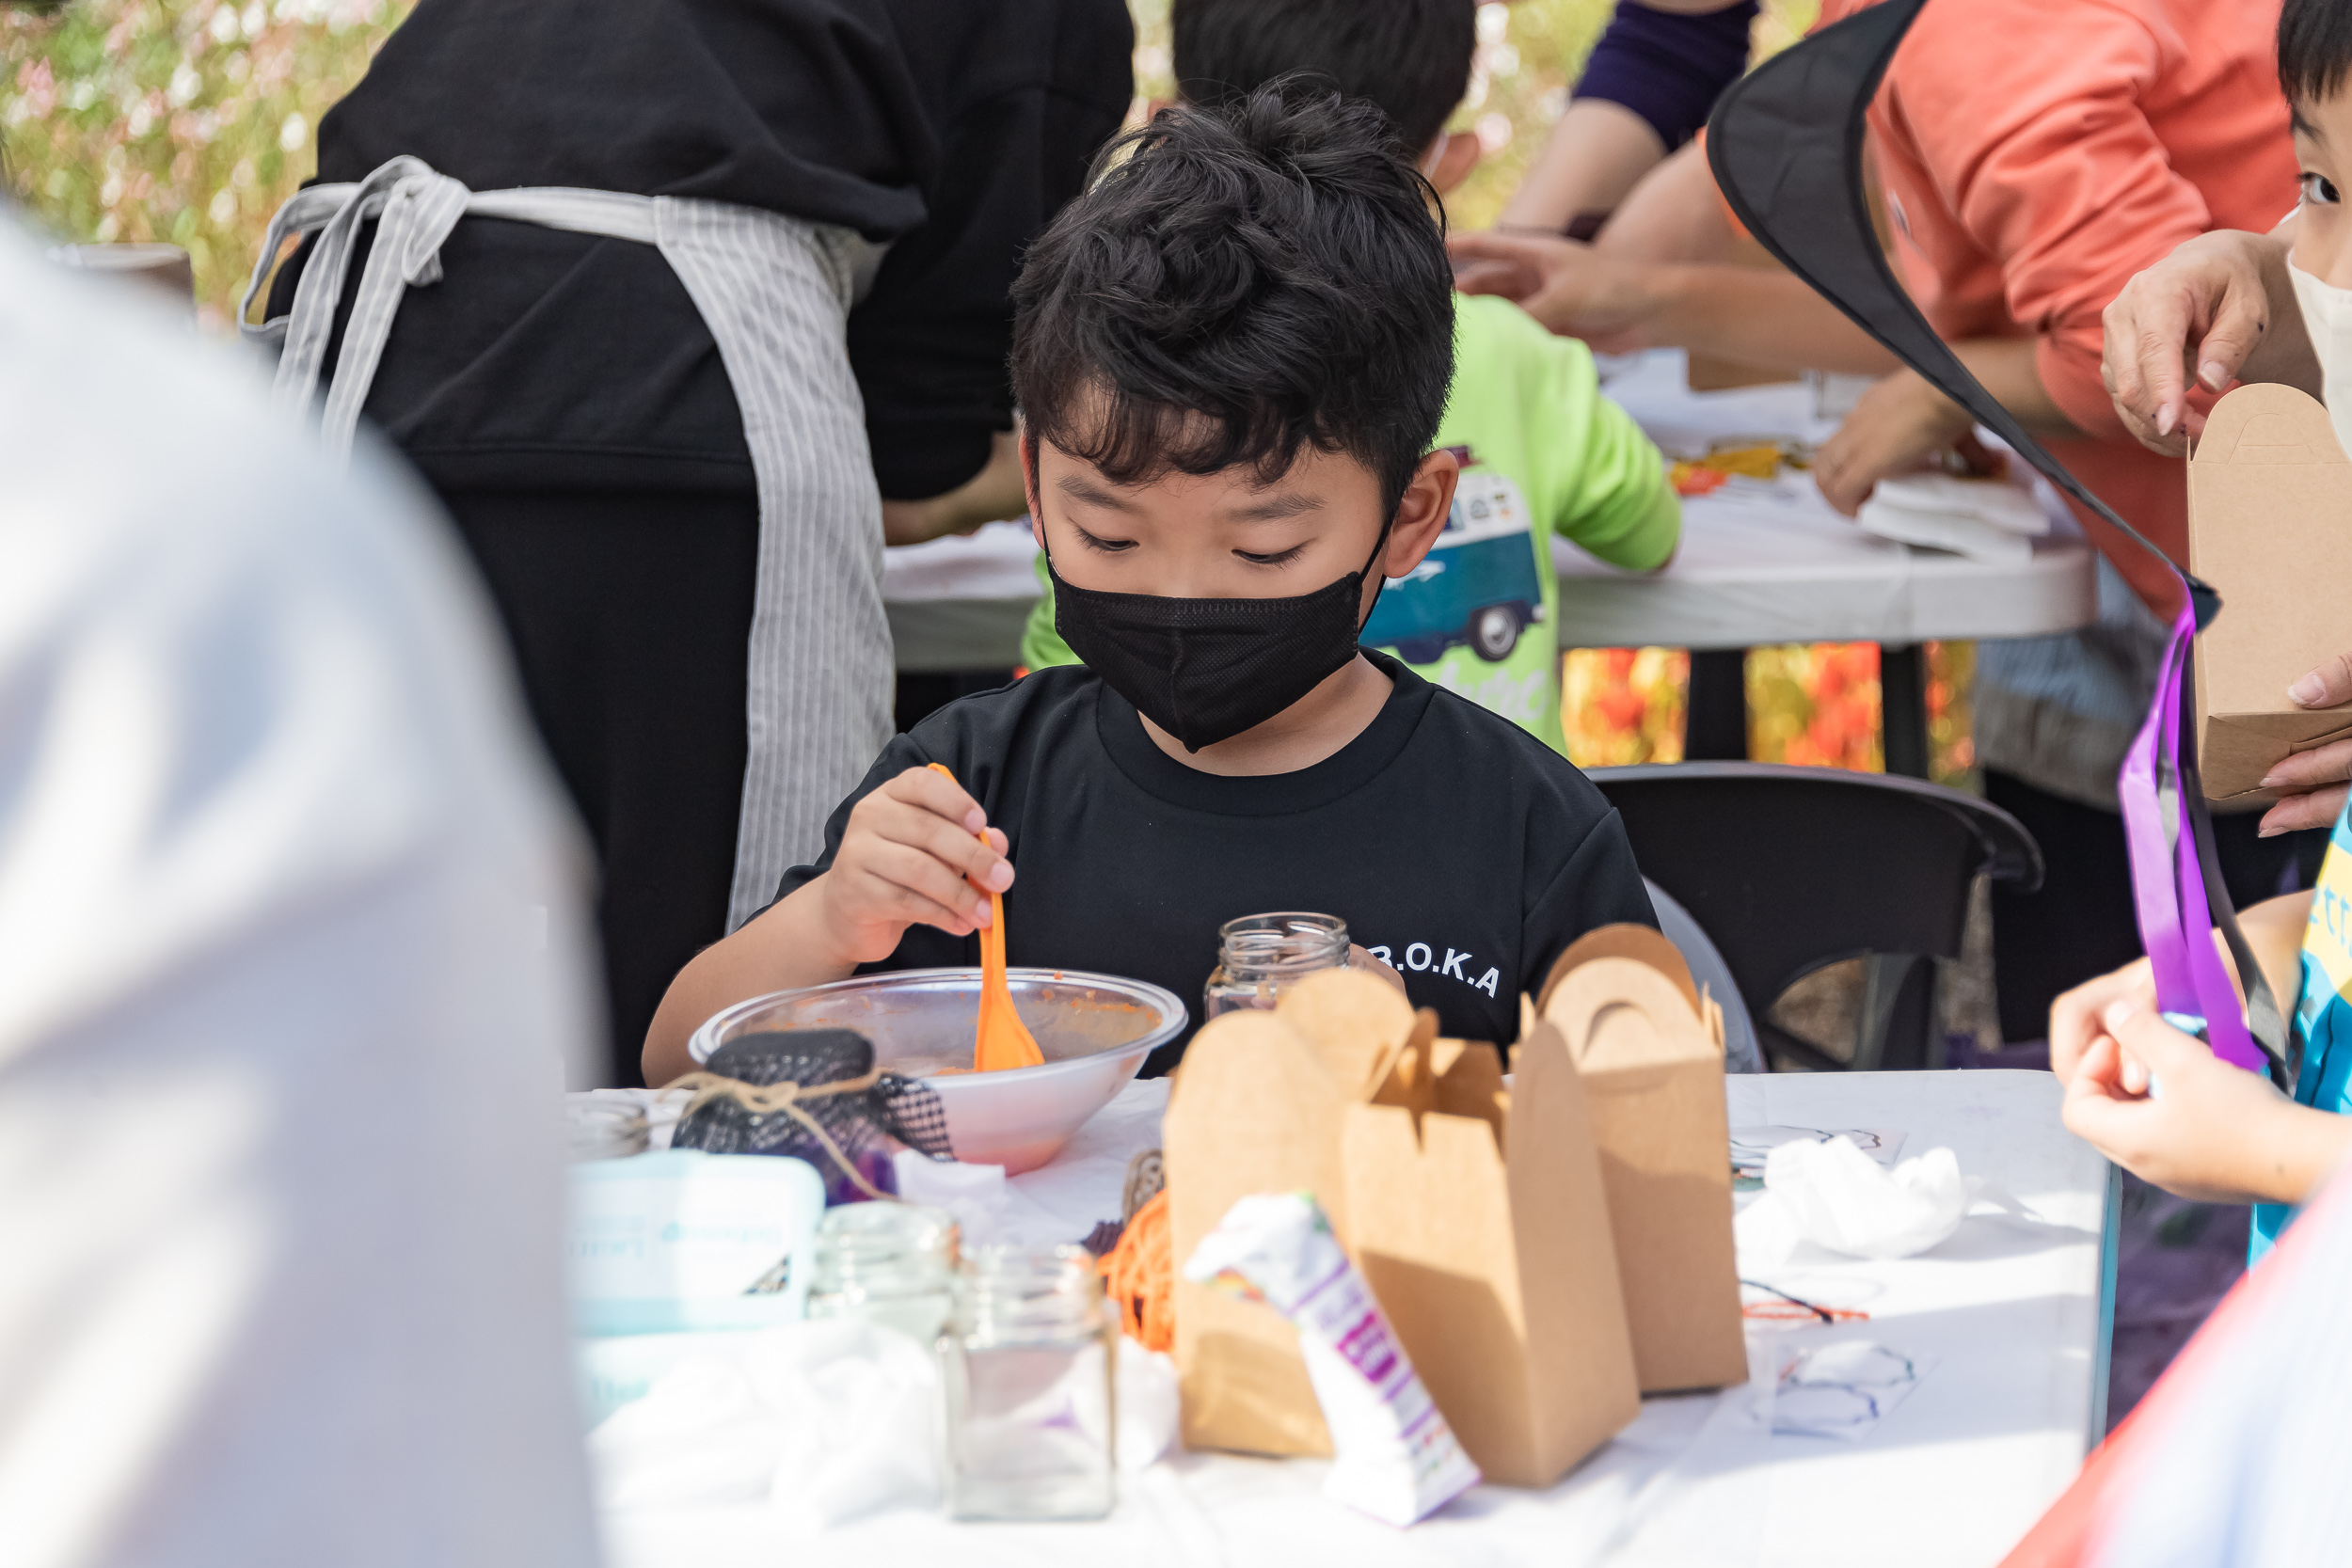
(1477, 1215)
(2270, 527)
(1481, 1224)
(1255, 1108)
(1648, 1047)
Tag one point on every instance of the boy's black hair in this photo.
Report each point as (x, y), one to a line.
(2315, 49)
(1251, 280)
(1412, 57)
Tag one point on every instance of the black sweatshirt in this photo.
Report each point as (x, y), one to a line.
(954, 129)
(1457, 846)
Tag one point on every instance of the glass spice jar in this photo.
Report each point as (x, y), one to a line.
(1028, 1367)
(890, 1263)
(1259, 954)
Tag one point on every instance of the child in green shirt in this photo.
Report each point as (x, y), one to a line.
(1541, 450)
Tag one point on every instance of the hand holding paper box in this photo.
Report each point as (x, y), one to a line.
(2270, 527)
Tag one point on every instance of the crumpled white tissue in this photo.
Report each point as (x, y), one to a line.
(1147, 1405)
(976, 1194)
(1835, 1195)
(826, 1420)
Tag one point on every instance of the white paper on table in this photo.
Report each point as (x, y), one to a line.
(1985, 519)
(1842, 1389)
(1750, 1146)
(1059, 1201)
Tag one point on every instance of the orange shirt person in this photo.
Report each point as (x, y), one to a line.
(2038, 153)
(2034, 154)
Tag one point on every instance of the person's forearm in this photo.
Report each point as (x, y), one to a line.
(1675, 214)
(2296, 1149)
(996, 492)
(1771, 321)
(2274, 930)
(2006, 367)
(1597, 152)
(787, 947)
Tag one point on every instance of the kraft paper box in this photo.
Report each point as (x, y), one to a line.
(2270, 527)
(1477, 1215)
(1648, 1048)
(1254, 1110)
(1481, 1225)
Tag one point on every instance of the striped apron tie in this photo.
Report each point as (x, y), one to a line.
(775, 292)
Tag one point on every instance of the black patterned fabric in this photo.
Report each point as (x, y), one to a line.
(866, 1125)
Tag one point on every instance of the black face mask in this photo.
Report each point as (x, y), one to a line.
(1205, 670)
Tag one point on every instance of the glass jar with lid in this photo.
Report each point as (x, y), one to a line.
(1259, 954)
(890, 1263)
(1028, 1367)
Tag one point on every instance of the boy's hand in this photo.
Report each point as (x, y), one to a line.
(910, 857)
(2161, 1105)
(2078, 1018)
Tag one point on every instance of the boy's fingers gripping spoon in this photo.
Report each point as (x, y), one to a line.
(1001, 1039)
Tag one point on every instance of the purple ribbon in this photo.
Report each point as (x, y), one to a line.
(2175, 880)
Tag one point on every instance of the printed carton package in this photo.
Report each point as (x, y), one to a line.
(1648, 1047)
(2269, 499)
(1480, 1214)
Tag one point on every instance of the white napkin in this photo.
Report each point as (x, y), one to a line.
(1985, 519)
(1836, 1197)
(976, 1194)
(826, 1420)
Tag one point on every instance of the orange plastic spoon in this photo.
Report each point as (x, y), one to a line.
(1001, 1041)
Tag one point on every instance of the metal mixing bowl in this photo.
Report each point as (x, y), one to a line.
(1094, 1029)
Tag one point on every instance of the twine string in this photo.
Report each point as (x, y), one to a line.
(764, 1099)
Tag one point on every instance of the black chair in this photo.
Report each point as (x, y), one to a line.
(1788, 869)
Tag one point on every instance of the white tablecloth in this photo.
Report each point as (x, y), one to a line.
(2011, 1312)
(1764, 562)
(1759, 563)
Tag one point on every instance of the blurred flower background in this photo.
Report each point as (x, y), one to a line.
(191, 120)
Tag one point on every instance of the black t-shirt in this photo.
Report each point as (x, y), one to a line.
(545, 360)
(1454, 844)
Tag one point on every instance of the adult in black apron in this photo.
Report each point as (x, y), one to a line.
(672, 294)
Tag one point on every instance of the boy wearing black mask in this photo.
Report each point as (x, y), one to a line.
(1231, 355)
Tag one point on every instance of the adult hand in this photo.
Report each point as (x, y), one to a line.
(1568, 287)
(1899, 423)
(2078, 1017)
(2202, 314)
(2314, 784)
(2158, 1103)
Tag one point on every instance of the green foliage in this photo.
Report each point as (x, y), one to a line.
(190, 120)
(182, 120)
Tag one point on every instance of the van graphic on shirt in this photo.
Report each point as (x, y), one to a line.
(1478, 588)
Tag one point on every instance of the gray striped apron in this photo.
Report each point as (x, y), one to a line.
(775, 292)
